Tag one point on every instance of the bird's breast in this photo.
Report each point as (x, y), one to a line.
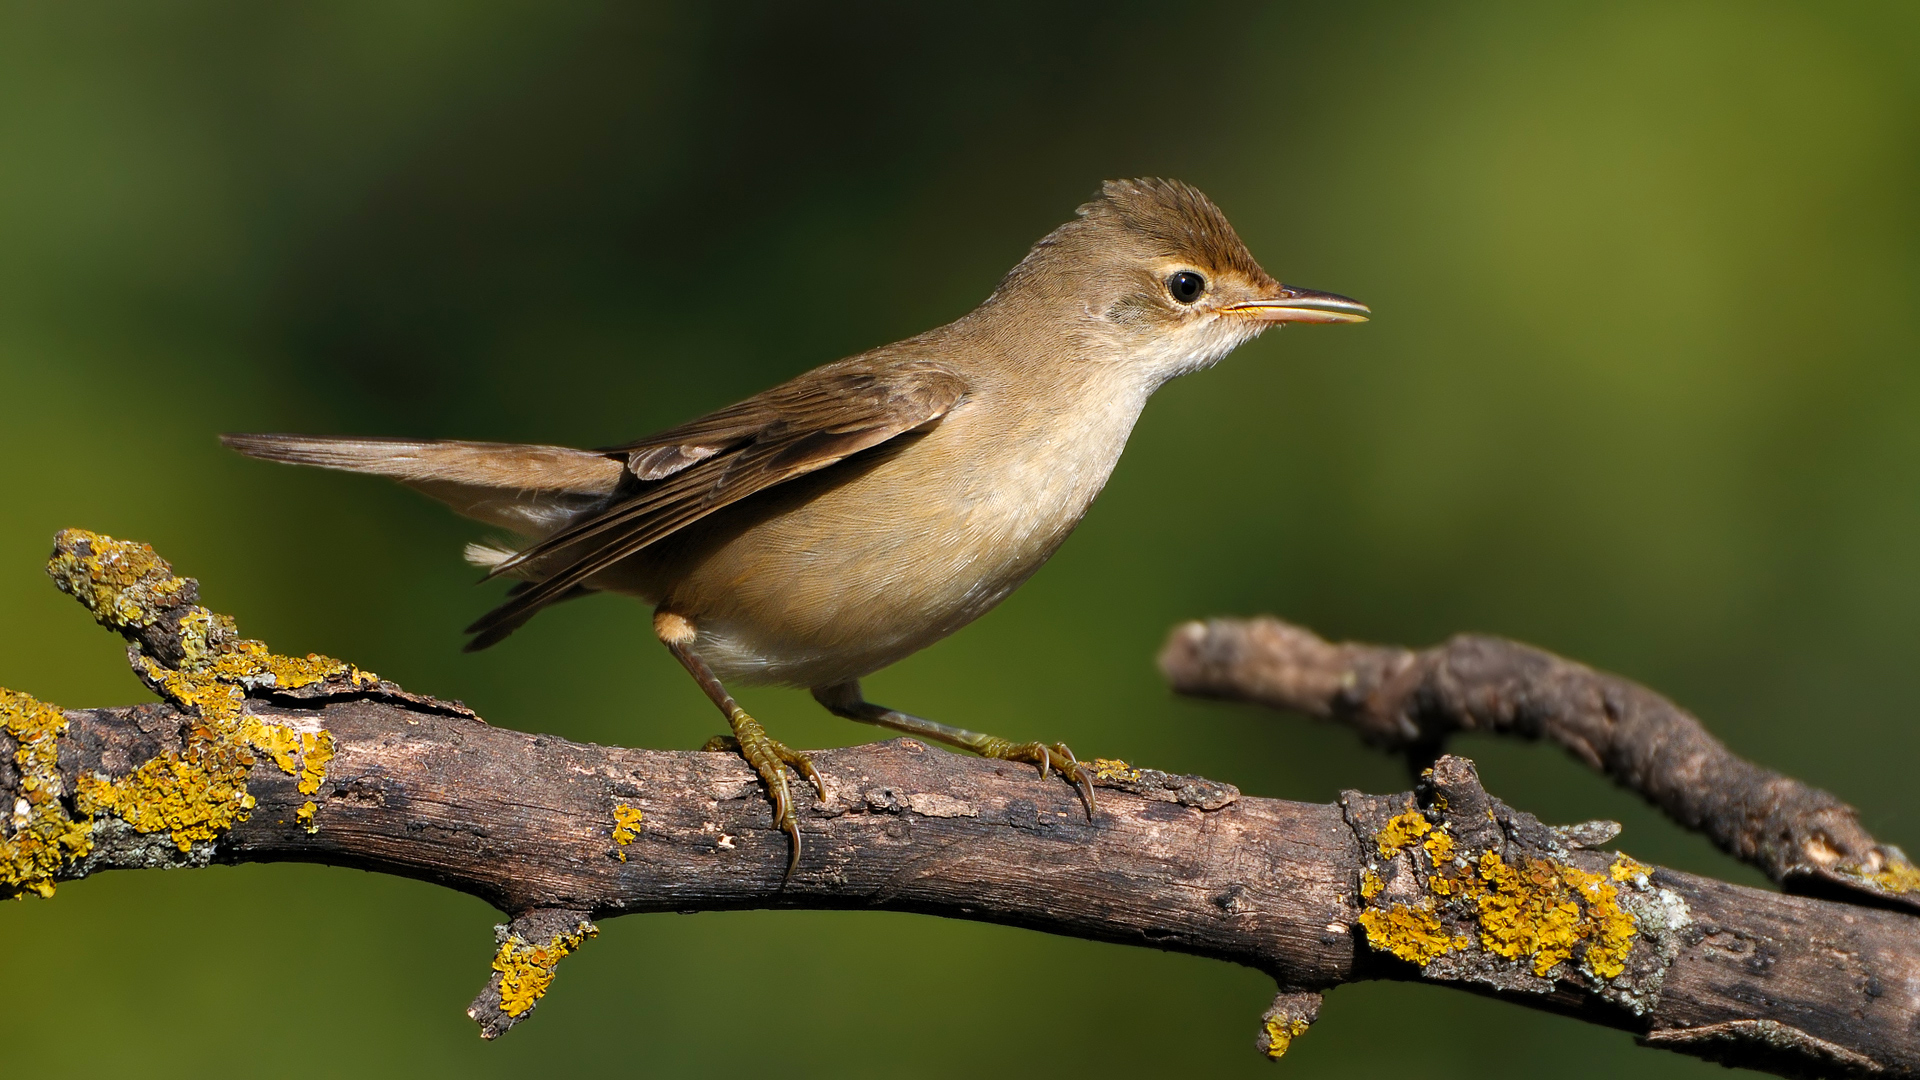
(839, 574)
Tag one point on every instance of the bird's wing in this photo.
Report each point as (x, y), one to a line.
(528, 489)
(683, 475)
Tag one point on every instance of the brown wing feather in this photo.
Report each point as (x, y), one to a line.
(691, 471)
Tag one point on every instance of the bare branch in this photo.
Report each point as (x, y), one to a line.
(1410, 702)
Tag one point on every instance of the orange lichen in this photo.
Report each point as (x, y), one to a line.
(1370, 885)
(527, 970)
(1113, 769)
(1439, 845)
(304, 816)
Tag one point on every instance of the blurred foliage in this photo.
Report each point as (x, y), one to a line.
(1641, 389)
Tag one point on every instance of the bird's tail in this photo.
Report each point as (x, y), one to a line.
(530, 490)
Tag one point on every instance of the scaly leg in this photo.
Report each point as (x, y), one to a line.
(766, 754)
(846, 700)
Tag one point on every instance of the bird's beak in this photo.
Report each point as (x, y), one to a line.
(1289, 304)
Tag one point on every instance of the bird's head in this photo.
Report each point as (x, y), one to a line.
(1150, 273)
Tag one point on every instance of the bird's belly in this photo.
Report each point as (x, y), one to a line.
(832, 577)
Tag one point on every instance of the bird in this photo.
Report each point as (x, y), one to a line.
(823, 529)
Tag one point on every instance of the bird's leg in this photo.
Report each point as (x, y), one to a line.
(845, 700)
(766, 754)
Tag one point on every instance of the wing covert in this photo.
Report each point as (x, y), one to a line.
(684, 474)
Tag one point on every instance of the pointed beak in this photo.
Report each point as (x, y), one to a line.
(1289, 304)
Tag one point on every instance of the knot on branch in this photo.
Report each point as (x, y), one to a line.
(1473, 890)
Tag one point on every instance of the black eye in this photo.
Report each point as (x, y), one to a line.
(1186, 286)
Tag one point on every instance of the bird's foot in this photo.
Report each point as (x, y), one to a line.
(769, 757)
(1051, 757)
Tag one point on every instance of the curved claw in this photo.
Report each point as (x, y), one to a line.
(783, 817)
(792, 828)
(803, 765)
(1078, 775)
(770, 758)
(1045, 757)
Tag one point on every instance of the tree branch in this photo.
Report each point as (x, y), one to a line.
(254, 757)
(1411, 702)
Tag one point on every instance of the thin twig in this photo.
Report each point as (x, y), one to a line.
(1410, 702)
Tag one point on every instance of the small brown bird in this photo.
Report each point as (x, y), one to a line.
(815, 533)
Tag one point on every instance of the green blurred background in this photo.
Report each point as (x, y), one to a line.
(1641, 389)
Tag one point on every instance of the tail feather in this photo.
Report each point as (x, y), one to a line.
(529, 489)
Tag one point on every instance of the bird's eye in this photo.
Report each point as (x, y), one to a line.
(1186, 286)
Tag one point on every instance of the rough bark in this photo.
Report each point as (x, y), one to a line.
(255, 758)
(1410, 702)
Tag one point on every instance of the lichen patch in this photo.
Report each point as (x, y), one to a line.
(1899, 877)
(1535, 911)
(1481, 892)
(527, 969)
(626, 826)
(1413, 932)
(198, 791)
(1280, 1035)
(1401, 831)
(38, 838)
(125, 585)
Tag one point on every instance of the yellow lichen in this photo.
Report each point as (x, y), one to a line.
(200, 790)
(194, 794)
(1114, 769)
(1538, 911)
(1412, 932)
(1625, 869)
(1400, 831)
(1525, 911)
(1280, 1035)
(1613, 926)
(304, 816)
(1899, 877)
(37, 836)
(124, 584)
(626, 826)
(526, 970)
